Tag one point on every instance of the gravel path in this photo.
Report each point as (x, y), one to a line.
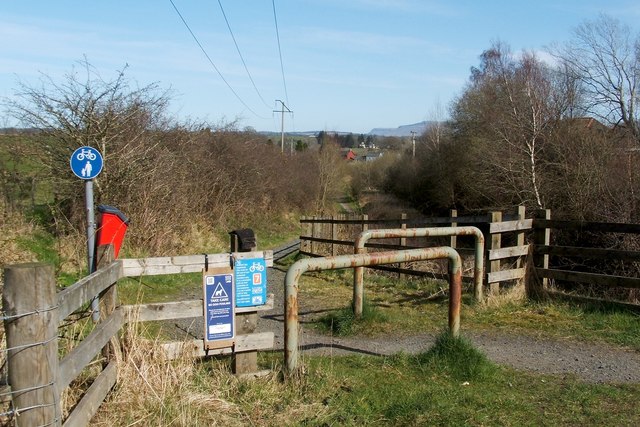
(597, 363)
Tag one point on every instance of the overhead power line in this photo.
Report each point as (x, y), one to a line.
(241, 57)
(211, 61)
(284, 81)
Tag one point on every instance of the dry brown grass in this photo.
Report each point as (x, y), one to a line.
(514, 294)
(152, 390)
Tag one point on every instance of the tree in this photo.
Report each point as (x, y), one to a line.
(349, 141)
(605, 57)
(506, 112)
(110, 115)
(331, 175)
(322, 135)
(301, 146)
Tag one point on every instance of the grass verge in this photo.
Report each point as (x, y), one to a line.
(450, 384)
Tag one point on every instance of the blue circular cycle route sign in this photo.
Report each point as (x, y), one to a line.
(86, 163)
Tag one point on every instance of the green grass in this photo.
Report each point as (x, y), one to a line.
(451, 384)
(456, 358)
(406, 390)
(152, 289)
(343, 322)
(417, 306)
(43, 246)
(587, 322)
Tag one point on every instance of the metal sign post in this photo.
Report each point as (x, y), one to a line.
(86, 163)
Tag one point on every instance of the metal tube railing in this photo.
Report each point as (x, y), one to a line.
(359, 260)
(361, 240)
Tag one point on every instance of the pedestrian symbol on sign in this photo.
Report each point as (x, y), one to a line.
(86, 170)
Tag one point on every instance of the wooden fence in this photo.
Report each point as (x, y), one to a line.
(504, 232)
(566, 264)
(510, 238)
(33, 312)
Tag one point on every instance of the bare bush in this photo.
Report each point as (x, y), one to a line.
(169, 178)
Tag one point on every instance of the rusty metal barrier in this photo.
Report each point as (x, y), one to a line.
(361, 260)
(365, 236)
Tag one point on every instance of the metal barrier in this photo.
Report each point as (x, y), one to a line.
(360, 260)
(365, 236)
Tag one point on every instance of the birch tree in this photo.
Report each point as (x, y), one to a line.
(507, 109)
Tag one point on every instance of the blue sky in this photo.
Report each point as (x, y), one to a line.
(349, 65)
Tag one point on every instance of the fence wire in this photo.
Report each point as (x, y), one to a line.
(12, 415)
(22, 347)
(29, 313)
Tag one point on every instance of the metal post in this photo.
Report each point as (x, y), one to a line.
(281, 111)
(361, 240)
(358, 260)
(413, 143)
(282, 128)
(91, 243)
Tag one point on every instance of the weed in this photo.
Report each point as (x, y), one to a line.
(343, 322)
(457, 358)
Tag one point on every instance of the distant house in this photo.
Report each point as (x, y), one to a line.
(371, 156)
(350, 155)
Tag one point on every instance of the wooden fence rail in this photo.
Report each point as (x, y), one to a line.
(33, 311)
(510, 237)
(504, 234)
(545, 269)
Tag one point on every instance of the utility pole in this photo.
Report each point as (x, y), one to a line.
(413, 141)
(281, 111)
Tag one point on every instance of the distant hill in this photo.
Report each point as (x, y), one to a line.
(404, 130)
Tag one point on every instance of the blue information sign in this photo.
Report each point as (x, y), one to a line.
(219, 309)
(86, 162)
(251, 282)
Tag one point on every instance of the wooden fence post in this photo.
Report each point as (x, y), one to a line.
(313, 234)
(541, 236)
(520, 237)
(494, 243)
(108, 301)
(403, 242)
(304, 244)
(453, 242)
(31, 325)
(246, 323)
(334, 234)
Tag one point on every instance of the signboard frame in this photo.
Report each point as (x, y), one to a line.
(250, 275)
(218, 287)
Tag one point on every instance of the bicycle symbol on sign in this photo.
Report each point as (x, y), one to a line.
(86, 153)
(256, 266)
